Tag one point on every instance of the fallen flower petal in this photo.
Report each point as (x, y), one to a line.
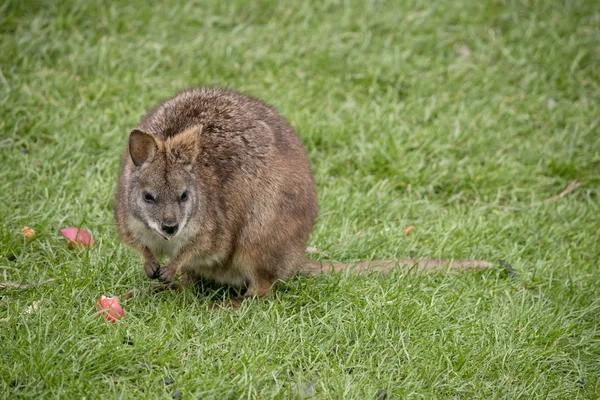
(27, 231)
(77, 236)
(109, 308)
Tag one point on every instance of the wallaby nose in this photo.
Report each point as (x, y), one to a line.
(170, 229)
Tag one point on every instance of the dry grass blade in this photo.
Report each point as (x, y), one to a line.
(17, 285)
(572, 187)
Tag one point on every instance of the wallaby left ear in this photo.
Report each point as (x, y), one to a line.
(183, 147)
(142, 146)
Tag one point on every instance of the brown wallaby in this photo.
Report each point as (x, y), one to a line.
(219, 184)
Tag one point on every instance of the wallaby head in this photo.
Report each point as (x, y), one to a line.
(163, 190)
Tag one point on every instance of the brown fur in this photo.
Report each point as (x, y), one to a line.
(234, 177)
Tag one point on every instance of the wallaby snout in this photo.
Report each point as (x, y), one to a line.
(170, 228)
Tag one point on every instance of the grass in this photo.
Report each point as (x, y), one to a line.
(441, 115)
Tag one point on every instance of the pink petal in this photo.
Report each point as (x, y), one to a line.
(109, 308)
(77, 236)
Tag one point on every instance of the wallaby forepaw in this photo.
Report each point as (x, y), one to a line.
(152, 269)
(166, 276)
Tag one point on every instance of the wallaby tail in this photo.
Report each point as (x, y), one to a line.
(405, 264)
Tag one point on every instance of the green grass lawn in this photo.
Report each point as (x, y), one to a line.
(455, 117)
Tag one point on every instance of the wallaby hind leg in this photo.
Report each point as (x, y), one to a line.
(255, 290)
(259, 288)
(261, 271)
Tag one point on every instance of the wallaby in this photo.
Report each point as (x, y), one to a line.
(219, 184)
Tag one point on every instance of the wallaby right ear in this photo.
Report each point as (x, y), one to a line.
(142, 146)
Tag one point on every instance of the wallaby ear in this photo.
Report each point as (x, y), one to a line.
(183, 147)
(142, 146)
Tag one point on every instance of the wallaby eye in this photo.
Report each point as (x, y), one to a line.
(148, 198)
(184, 196)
